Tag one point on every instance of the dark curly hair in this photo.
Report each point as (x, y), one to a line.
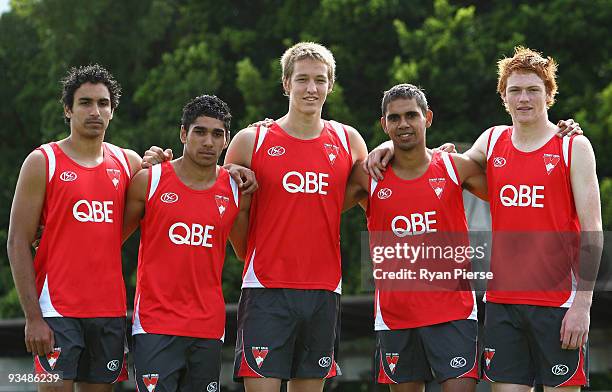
(209, 106)
(92, 73)
(404, 91)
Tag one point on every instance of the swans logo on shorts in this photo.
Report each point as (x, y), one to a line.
(150, 381)
(53, 356)
(437, 184)
(488, 356)
(550, 162)
(221, 203)
(114, 176)
(259, 353)
(392, 359)
(212, 387)
(331, 151)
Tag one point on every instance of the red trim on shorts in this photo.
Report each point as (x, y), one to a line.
(38, 367)
(579, 377)
(123, 374)
(473, 372)
(383, 377)
(484, 376)
(245, 369)
(333, 370)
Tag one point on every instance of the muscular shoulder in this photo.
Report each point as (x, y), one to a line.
(240, 149)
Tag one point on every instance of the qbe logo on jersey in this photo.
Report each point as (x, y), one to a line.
(414, 224)
(195, 235)
(524, 196)
(309, 182)
(93, 211)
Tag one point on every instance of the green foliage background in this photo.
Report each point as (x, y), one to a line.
(165, 52)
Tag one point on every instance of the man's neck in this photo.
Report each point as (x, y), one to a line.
(85, 151)
(531, 136)
(195, 176)
(300, 125)
(412, 163)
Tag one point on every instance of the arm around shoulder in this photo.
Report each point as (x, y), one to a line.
(135, 203)
(240, 149)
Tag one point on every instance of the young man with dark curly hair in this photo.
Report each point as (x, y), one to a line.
(187, 209)
(72, 291)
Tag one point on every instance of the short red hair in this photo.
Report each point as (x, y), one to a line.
(527, 60)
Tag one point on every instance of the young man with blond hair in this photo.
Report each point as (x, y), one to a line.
(288, 311)
(543, 194)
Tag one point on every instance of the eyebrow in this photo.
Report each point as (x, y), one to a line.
(91, 99)
(200, 127)
(399, 114)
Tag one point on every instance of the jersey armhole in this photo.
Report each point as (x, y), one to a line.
(49, 155)
(451, 168)
(153, 181)
(490, 130)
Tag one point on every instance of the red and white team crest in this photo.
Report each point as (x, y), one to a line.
(331, 151)
(550, 161)
(114, 176)
(392, 359)
(53, 356)
(222, 202)
(150, 381)
(259, 353)
(488, 355)
(437, 184)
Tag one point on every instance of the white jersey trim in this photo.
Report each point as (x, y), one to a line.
(566, 143)
(119, 154)
(263, 131)
(46, 306)
(379, 322)
(373, 185)
(338, 289)
(339, 128)
(474, 314)
(234, 187)
(250, 279)
(449, 167)
(496, 133)
(137, 327)
(570, 300)
(50, 159)
(155, 176)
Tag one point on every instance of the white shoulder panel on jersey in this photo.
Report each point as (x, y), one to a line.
(339, 128)
(263, 131)
(155, 176)
(496, 133)
(566, 144)
(46, 306)
(379, 322)
(449, 167)
(119, 154)
(234, 187)
(373, 185)
(50, 159)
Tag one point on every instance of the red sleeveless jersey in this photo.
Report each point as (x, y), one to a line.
(426, 211)
(182, 250)
(294, 228)
(534, 219)
(78, 263)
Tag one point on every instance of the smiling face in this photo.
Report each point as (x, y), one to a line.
(308, 86)
(91, 110)
(525, 98)
(204, 141)
(405, 123)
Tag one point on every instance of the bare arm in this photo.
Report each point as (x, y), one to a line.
(585, 189)
(135, 203)
(356, 189)
(240, 150)
(238, 234)
(25, 216)
(135, 161)
(471, 175)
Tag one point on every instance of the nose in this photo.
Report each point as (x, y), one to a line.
(207, 140)
(403, 122)
(524, 96)
(95, 110)
(311, 87)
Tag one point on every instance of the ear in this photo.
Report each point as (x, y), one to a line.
(228, 137)
(112, 112)
(183, 135)
(67, 111)
(286, 86)
(383, 124)
(330, 88)
(429, 117)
